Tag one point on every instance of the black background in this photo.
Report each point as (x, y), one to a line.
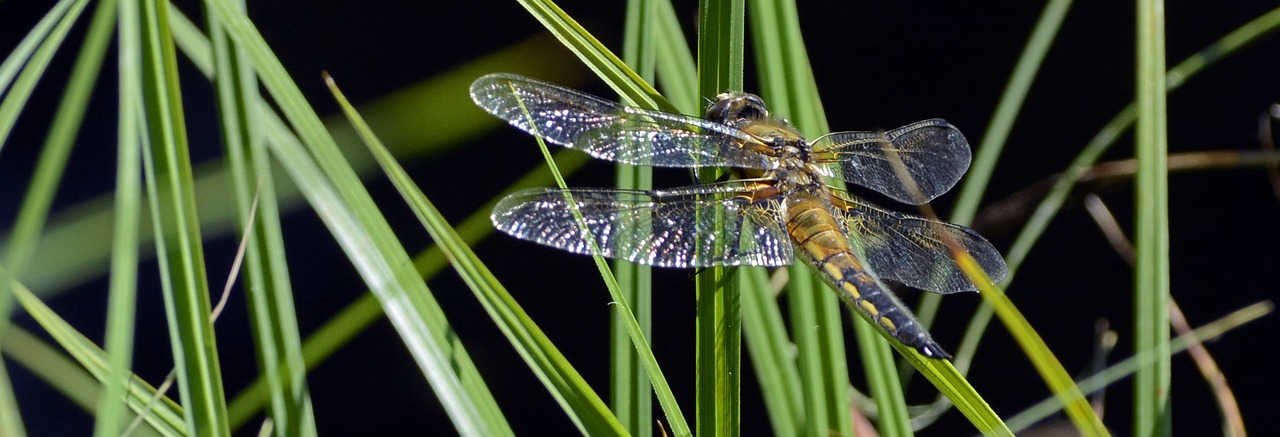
(878, 65)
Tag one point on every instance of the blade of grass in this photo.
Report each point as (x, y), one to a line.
(269, 292)
(1151, 410)
(353, 319)
(1210, 331)
(177, 231)
(595, 55)
(121, 302)
(31, 58)
(815, 318)
(718, 347)
(165, 415)
(585, 408)
(770, 351)
(630, 396)
(68, 377)
(334, 190)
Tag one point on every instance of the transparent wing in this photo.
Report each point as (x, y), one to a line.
(909, 249)
(612, 131)
(666, 228)
(933, 151)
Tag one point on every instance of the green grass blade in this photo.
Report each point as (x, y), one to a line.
(585, 408)
(1151, 411)
(32, 58)
(630, 394)
(22, 52)
(340, 329)
(72, 253)
(677, 71)
(787, 84)
(334, 190)
(165, 416)
(111, 415)
(718, 384)
(16, 97)
(177, 231)
(269, 292)
(595, 55)
(69, 378)
(770, 351)
(997, 133)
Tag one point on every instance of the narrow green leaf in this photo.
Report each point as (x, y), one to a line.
(128, 212)
(177, 232)
(165, 415)
(269, 292)
(333, 189)
(787, 84)
(1151, 410)
(630, 395)
(721, 25)
(585, 408)
(771, 354)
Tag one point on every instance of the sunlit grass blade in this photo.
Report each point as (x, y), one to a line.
(165, 416)
(269, 292)
(1151, 411)
(29, 62)
(976, 180)
(339, 330)
(16, 97)
(595, 55)
(1051, 371)
(22, 52)
(677, 71)
(997, 132)
(584, 407)
(333, 189)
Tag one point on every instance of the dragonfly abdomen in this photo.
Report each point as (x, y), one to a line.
(823, 244)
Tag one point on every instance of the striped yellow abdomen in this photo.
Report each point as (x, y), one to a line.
(821, 241)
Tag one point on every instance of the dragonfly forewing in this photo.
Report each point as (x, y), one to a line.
(615, 132)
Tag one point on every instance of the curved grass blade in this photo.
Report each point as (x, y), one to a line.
(165, 416)
(585, 408)
(334, 190)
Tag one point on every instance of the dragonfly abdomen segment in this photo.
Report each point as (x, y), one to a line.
(823, 244)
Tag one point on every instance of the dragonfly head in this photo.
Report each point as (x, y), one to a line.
(735, 109)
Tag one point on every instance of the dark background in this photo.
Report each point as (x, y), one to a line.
(878, 65)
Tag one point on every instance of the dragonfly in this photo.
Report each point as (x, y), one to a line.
(779, 208)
